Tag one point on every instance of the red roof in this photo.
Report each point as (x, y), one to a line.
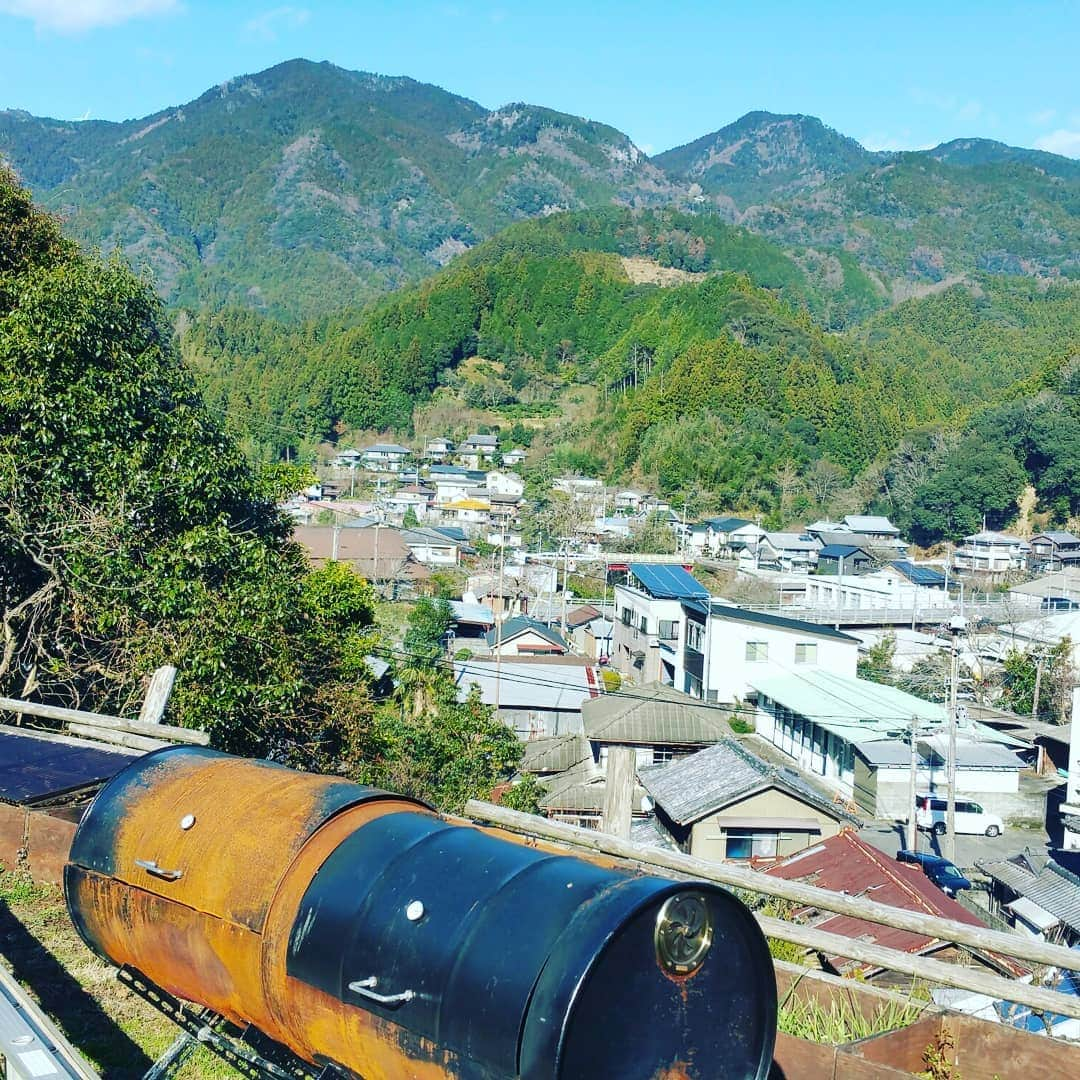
(846, 864)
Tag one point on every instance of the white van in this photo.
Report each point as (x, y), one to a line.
(931, 812)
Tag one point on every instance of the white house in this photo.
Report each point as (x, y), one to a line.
(432, 548)
(523, 636)
(504, 483)
(438, 449)
(895, 585)
(720, 648)
(851, 732)
(991, 553)
(648, 612)
(871, 527)
(795, 553)
(385, 457)
(477, 449)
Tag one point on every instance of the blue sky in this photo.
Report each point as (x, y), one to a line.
(890, 75)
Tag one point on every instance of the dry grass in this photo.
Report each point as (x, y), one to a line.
(116, 1031)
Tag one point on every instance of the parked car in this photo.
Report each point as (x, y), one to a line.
(944, 874)
(931, 812)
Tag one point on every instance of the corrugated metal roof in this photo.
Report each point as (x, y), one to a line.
(528, 686)
(554, 754)
(480, 614)
(1054, 889)
(693, 787)
(654, 715)
(844, 863)
(665, 582)
(857, 709)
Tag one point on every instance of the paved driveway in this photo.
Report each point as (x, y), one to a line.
(968, 848)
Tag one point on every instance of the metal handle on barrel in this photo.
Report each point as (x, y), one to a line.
(366, 988)
(151, 867)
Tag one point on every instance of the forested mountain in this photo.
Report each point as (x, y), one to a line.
(307, 190)
(765, 157)
(713, 388)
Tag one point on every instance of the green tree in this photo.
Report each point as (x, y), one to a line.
(132, 530)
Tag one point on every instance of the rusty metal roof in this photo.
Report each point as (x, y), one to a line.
(846, 864)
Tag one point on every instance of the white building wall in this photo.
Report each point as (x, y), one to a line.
(872, 591)
(729, 672)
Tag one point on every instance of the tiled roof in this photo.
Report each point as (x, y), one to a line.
(839, 551)
(581, 788)
(653, 715)
(1053, 888)
(870, 523)
(520, 685)
(693, 787)
(513, 628)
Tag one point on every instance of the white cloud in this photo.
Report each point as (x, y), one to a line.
(1060, 142)
(903, 140)
(75, 16)
(267, 25)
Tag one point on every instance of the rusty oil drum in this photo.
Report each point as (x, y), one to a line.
(361, 929)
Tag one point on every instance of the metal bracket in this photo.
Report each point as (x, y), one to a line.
(151, 867)
(366, 988)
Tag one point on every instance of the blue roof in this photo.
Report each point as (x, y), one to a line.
(665, 582)
(918, 575)
(839, 551)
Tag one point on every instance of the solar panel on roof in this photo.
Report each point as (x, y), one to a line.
(667, 582)
(34, 769)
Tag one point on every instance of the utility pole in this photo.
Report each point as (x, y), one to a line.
(1040, 660)
(912, 825)
(956, 627)
(839, 589)
(499, 625)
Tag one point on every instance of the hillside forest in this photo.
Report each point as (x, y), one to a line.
(722, 387)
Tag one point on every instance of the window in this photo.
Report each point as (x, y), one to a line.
(806, 652)
(627, 615)
(669, 630)
(757, 651)
(644, 625)
(662, 754)
(695, 636)
(752, 843)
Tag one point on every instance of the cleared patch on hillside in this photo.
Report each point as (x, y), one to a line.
(642, 271)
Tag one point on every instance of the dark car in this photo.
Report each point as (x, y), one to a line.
(941, 872)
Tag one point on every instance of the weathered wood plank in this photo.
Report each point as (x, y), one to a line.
(923, 967)
(1023, 948)
(118, 738)
(164, 732)
(619, 791)
(157, 695)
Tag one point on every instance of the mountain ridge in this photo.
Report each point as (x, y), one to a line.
(307, 189)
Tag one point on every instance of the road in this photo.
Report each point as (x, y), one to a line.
(890, 838)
